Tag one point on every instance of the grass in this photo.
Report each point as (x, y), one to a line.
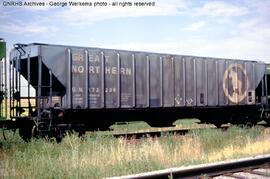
(98, 156)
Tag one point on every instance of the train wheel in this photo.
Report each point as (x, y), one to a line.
(4, 128)
(43, 129)
(34, 131)
(25, 132)
(58, 134)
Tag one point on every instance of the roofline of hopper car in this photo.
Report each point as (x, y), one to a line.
(98, 48)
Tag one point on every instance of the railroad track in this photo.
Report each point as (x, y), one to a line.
(252, 167)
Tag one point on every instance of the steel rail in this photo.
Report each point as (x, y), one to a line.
(207, 170)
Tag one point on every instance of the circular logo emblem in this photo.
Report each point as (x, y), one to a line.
(235, 83)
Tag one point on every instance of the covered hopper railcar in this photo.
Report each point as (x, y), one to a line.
(81, 89)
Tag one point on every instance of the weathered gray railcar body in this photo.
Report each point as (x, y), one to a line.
(81, 89)
(95, 78)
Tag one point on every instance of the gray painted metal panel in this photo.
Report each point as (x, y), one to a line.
(86, 81)
(232, 78)
(211, 82)
(111, 79)
(200, 82)
(95, 79)
(78, 78)
(216, 82)
(127, 77)
(250, 99)
(221, 91)
(55, 58)
(229, 84)
(155, 81)
(68, 95)
(161, 80)
(141, 80)
(260, 69)
(241, 83)
(168, 81)
(179, 81)
(190, 81)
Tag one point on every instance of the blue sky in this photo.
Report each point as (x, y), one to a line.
(228, 29)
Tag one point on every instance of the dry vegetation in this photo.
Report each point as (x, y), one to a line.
(98, 156)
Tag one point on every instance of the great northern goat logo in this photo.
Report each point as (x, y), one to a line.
(235, 83)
